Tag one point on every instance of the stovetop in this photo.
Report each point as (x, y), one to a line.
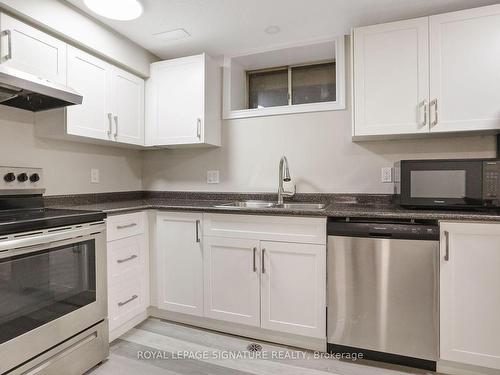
(24, 220)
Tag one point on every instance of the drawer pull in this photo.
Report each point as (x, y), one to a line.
(126, 259)
(135, 296)
(126, 226)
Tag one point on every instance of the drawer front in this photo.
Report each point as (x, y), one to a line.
(270, 228)
(127, 225)
(124, 256)
(125, 299)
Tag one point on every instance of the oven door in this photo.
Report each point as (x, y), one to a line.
(52, 287)
(441, 183)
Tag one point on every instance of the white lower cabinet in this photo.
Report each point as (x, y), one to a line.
(293, 291)
(128, 272)
(179, 263)
(470, 300)
(232, 280)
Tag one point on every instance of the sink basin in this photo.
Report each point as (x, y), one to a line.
(301, 206)
(264, 204)
(247, 204)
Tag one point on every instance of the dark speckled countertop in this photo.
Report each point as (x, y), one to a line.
(337, 205)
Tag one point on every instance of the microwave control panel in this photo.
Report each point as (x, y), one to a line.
(491, 183)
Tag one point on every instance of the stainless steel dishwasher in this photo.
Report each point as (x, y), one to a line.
(383, 290)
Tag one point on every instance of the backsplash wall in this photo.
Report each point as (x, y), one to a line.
(322, 156)
(66, 164)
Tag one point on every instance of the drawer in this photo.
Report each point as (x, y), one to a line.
(125, 255)
(126, 225)
(125, 301)
(270, 228)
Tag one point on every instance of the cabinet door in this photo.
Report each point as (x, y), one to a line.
(232, 280)
(391, 78)
(177, 95)
(128, 107)
(90, 77)
(294, 288)
(470, 300)
(32, 51)
(464, 70)
(180, 263)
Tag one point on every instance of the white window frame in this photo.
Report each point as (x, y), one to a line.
(338, 104)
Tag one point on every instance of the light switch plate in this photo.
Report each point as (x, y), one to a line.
(94, 176)
(386, 176)
(212, 176)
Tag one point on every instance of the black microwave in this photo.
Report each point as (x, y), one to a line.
(448, 183)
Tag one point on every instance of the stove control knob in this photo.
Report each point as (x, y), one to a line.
(9, 177)
(22, 177)
(35, 177)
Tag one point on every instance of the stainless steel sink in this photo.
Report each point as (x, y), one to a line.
(301, 206)
(265, 204)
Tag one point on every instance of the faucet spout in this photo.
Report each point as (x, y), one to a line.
(284, 176)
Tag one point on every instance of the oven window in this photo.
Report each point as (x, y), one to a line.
(438, 184)
(42, 286)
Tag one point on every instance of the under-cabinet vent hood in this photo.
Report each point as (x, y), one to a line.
(27, 91)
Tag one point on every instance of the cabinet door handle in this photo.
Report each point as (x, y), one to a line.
(110, 121)
(198, 128)
(263, 262)
(135, 296)
(126, 259)
(447, 246)
(436, 112)
(425, 105)
(254, 261)
(9, 41)
(197, 231)
(126, 226)
(116, 127)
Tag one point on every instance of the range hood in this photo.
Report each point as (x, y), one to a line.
(27, 91)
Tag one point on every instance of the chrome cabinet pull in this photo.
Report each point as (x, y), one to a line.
(126, 226)
(435, 104)
(126, 259)
(197, 231)
(116, 127)
(425, 104)
(135, 296)
(447, 246)
(110, 120)
(263, 262)
(254, 263)
(198, 128)
(9, 41)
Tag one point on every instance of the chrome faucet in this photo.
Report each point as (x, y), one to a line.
(284, 175)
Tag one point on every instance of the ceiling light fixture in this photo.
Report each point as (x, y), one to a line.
(273, 29)
(122, 10)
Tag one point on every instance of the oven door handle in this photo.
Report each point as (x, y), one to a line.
(14, 245)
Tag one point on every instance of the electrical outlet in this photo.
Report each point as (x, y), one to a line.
(386, 174)
(94, 176)
(212, 177)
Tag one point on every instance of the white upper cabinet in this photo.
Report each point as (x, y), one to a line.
(293, 290)
(470, 300)
(32, 51)
(465, 70)
(127, 107)
(91, 77)
(428, 75)
(183, 98)
(391, 85)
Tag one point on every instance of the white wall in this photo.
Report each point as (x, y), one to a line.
(318, 146)
(66, 164)
(65, 20)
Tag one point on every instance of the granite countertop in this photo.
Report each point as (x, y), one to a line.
(337, 205)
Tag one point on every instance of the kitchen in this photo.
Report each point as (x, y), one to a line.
(204, 177)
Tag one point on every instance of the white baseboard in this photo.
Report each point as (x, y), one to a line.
(455, 368)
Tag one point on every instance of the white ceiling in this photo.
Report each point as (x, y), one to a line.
(231, 26)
